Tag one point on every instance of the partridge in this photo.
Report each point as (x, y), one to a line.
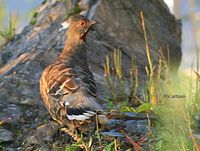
(67, 86)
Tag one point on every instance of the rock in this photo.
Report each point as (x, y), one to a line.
(43, 134)
(133, 115)
(6, 135)
(111, 135)
(136, 116)
(10, 113)
(44, 148)
(142, 123)
(131, 125)
(11, 149)
(197, 117)
(136, 126)
(113, 123)
(119, 29)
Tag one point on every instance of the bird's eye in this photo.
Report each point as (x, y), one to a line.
(82, 23)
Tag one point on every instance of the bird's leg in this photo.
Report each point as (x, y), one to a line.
(76, 138)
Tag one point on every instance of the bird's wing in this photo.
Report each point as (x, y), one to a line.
(75, 89)
(61, 80)
(87, 80)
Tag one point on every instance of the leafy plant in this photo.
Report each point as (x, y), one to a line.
(110, 147)
(75, 10)
(72, 148)
(34, 18)
(64, 1)
(44, 1)
(9, 32)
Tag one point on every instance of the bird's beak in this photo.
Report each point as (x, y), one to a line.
(64, 25)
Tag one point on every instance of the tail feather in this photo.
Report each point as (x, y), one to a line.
(80, 114)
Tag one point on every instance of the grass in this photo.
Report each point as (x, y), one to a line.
(111, 146)
(8, 33)
(64, 1)
(43, 2)
(150, 69)
(175, 122)
(177, 104)
(113, 75)
(170, 104)
(75, 10)
(34, 18)
(174, 100)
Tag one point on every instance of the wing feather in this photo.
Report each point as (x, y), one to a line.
(64, 86)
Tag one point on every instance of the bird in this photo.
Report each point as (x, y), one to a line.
(67, 85)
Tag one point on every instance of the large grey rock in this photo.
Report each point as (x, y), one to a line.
(24, 58)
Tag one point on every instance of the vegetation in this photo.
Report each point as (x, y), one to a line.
(34, 18)
(44, 1)
(173, 100)
(75, 10)
(9, 32)
(173, 103)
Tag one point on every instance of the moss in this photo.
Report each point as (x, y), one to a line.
(33, 19)
(76, 10)
(44, 2)
(64, 1)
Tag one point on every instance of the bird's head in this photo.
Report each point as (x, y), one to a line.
(78, 26)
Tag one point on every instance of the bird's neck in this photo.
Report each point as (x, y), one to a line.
(74, 52)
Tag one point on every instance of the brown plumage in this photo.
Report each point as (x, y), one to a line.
(67, 86)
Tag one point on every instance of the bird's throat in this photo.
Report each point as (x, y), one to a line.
(74, 52)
